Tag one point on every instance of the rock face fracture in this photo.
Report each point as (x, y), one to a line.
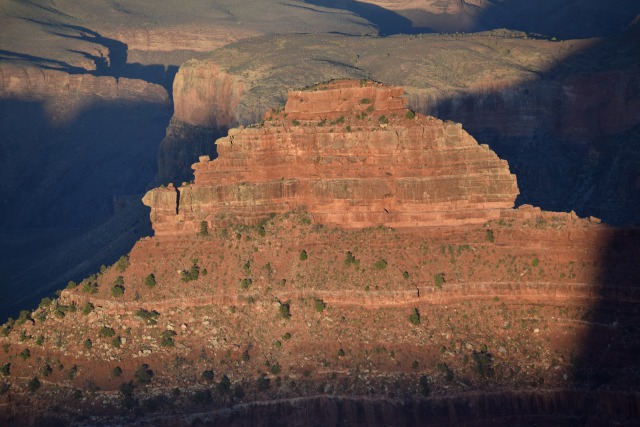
(350, 154)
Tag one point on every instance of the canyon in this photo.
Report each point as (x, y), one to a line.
(280, 307)
(348, 251)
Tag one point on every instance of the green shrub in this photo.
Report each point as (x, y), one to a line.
(143, 374)
(448, 372)
(341, 353)
(489, 236)
(275, 368)
(224, 386)
(405, 274)
(410, 115)
(208, 375)
(116, 372)
(414, 317)
(46, 370)
(71, 284)
(350, 259)
(150, 317)
(88, 308)
(6, 369)
(204, 229)
(107, 332)
(294, 122)
(245, 283)
(438, 280)
(40, 340)
(192, 274)
(535, 262)
(319, 305)
(383, 119)
(126, 388)
(117, 290)
(116, 342)
(366, 101)
(381, 264)
(483, 362)
(150, 280)
(90, 287)
(4, 388)
(284, 311)
(88, 344)
(303, 255)
(287, 336)
(25, 354)
(167, 338)
(122, 263)
(34, 385)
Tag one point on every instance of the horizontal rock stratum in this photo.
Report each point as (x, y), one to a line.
(350, 154)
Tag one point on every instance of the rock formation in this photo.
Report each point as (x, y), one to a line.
(350, 154)
(563, 114)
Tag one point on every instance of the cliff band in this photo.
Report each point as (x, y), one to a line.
(350, 154)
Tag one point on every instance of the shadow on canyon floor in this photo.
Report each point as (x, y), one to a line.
(583, 150)
(110, 58)
(72, 180)
(553, 18)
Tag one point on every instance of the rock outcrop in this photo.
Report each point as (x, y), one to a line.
(350, 154)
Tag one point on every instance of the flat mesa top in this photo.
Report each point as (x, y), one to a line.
(325, 100)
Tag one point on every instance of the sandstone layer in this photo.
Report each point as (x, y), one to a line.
(351, 154)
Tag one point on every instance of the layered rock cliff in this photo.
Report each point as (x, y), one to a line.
(351, 154)
(557, 111)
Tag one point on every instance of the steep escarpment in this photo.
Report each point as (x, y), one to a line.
(554, 110)
(350, 153)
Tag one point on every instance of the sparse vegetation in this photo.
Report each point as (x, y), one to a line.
(207, 375)
(107, 332)
(150, 317)
(34, 385)
(117, 290)
(143, 374)
(414, 317)
(319, 305)
(192, 274)
(150, 281)
(204, 229)
(122, 263)
(303, 255)
(87, 308)
(167, 338)
(284, 311)
(381, 264)
(489, 236)
(438, 280)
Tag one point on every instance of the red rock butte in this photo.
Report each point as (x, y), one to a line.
(350, 154)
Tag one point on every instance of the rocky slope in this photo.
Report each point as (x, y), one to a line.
(282, 318)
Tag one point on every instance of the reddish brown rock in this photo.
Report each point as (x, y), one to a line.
(351, 155)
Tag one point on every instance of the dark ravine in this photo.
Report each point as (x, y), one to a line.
(496, 408)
